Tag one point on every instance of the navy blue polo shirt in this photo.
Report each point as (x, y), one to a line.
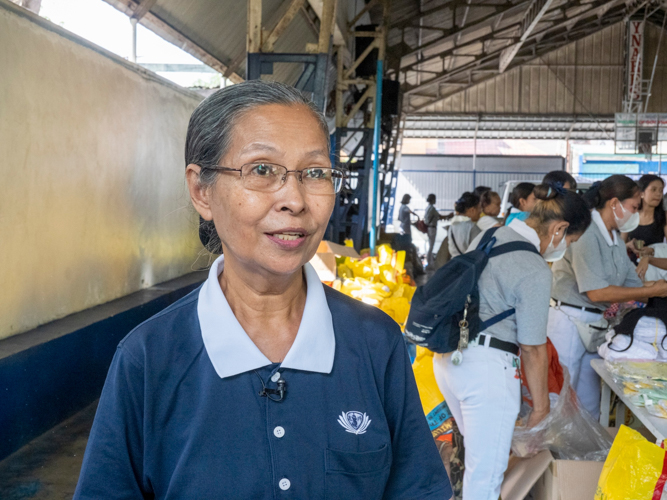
(180, 416)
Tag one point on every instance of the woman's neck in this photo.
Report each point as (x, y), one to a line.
(269, 308)
(607, 215)
(544, 241)
(646, 214)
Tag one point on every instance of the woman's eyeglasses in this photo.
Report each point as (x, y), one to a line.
(269, 177)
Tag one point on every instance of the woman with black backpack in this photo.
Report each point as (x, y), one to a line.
(483, 390)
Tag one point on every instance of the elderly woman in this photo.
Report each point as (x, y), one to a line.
(263, 383)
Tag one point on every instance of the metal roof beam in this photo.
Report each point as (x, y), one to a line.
(589, 6)
(540, 49)
(451, 33)
(172, 35)
(479, 59)
(407, 22)
(143, 9)
(285, 20)
(533, 15)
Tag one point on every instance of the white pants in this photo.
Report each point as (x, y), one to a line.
(484, 395)
(572, 353)
(432, 232)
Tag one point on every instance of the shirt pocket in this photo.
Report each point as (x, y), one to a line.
(356, 475)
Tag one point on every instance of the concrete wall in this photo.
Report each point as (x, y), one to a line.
(93, 204)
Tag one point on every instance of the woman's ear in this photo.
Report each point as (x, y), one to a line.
(200, 195)
(561, 227)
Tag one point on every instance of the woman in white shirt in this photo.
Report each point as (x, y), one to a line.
(595, 273)
(490, 204)
(464, 227)
(483, 392)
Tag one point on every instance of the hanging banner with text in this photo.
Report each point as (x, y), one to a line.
(635, 51)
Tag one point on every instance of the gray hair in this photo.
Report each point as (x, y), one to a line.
(212, 124)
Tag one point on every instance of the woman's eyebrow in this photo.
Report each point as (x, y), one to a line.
(258, 146)
(317, 152)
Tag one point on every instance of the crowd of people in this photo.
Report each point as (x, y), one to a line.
(592, 250)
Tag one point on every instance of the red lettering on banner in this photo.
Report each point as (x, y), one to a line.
(636, 40)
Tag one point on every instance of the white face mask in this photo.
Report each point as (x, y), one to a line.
(628, 222)
(552, 254)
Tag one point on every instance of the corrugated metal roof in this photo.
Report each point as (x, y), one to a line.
(584, 77)
(481, 39)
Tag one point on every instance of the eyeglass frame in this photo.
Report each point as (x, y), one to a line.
(220, 168)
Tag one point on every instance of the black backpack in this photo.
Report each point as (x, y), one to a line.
(449, 302)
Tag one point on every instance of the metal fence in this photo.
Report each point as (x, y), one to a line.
(450, 176)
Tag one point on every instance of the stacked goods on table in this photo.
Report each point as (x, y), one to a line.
(643, 382)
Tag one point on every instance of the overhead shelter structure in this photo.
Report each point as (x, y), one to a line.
(467, 69)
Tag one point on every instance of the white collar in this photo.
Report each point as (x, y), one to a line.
(597, 218)
(460, 218)
(487, 222)
(523, 229)
(232, 352)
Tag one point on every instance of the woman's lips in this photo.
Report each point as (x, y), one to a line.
(288, 239)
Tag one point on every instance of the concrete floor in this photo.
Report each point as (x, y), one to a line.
(48, 467)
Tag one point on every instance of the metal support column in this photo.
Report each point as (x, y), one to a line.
(133, 55)
(314, 59)
(474, 155)
(377, 131)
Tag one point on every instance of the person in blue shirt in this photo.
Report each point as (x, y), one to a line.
(523, 201)
(262, 383)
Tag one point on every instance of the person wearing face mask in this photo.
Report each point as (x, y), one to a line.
(483, 392)
(594, 273)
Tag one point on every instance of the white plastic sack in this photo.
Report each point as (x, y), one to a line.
(569, 431)
(654, 273)
(650, 330)
(617, 349)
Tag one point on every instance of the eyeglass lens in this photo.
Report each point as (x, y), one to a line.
(270, 177)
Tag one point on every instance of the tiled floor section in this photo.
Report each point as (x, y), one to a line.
(48, 467)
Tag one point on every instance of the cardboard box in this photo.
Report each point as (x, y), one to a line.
(568, 480)
(324, 260)
(523, 473)
(546, 478)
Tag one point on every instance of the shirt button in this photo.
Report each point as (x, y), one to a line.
(275, 377)
(284, 484)
(279, 432)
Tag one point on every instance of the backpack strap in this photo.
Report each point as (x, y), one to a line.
(487, 237)
(455, 245)
(487, 241)
(496, 319)
(514, 246)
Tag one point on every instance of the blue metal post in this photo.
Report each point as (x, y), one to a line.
(376, 152)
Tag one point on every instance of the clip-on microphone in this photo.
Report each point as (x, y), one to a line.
(281, 391)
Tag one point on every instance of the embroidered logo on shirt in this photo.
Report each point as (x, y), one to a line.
(354, 422)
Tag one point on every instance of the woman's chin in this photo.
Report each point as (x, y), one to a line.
(282, 265)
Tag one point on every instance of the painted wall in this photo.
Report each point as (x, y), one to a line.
(93, 204)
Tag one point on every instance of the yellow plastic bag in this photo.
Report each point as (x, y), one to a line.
(634, 470)
(438, 415)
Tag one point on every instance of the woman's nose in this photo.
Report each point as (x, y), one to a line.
(291, 194)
